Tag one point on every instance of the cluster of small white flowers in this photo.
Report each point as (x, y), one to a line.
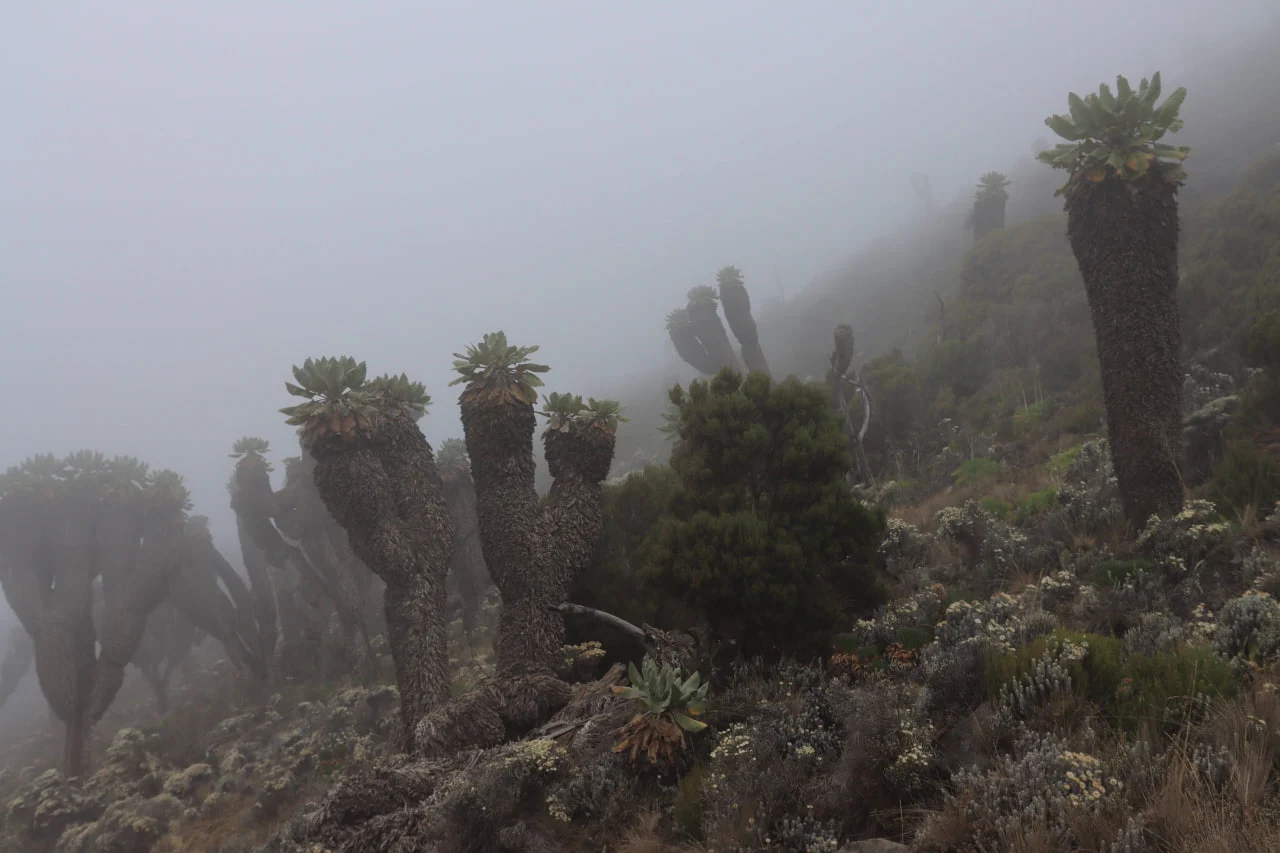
(904, 547)
(1050, 676)
(540, 754)
(1189, 535)
(994, 621)
(1043, 783)
(1250, 622)
(915, 611)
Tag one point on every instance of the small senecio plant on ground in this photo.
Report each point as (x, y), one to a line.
(668, 706)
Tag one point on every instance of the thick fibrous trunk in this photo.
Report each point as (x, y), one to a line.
(264, 598)
(385, 492)
(1125, 238)
(16, 663)
(467, 568)
(533, 552)
(988, 215)
(689, 348)
(737, 310)
(130, 598)
(706, 322)
(198, 599)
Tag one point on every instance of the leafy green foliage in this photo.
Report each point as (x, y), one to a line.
(660, 690)
(1246, 477)
(764, 540)
(1114, 573)
(333, 404)
(495, 365)
(667, 706)
(1118, 134)
(728, 275)
(247, 445)
(402, 390)
(167, 487)
(974, 471)
(452, 457)
(703, 295)
(992, 185)
(1136, 693)
(563, 405)
(87, 471)
(341, 401)
(612, 580)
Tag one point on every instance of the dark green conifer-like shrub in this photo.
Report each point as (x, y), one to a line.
(764, 539)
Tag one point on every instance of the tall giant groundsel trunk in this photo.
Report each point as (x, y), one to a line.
(130, 599)
(988, 215)
(499, 437)
(383, 489)
(1125, 239)
(470, 576)
(737, 310)
(264, 594)
(706, 322)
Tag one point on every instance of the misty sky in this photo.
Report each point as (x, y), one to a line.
(193, 197)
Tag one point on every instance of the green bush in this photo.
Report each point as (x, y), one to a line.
(1027, 418)
(975, 471)
(1037, 503)
(1245, 477)
(997, 507)
(1138, 694)
(1113, 573)
(764, 540)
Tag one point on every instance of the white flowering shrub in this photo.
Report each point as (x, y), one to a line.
(1248, 624)
(1042, 783)
(1180, 542)
(1089, 495)
(1157, 633)
(920, 611)
(990, 544)
(904, 549)
(1048, 679)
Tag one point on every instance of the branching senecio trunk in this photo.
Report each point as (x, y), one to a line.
(376, 474)
(1122, 221)
(63, 523)
(699, 336)
(533, 549)
(470, 576)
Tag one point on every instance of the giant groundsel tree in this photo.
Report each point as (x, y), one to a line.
(699, 336)
(533, 548)
(63, 524)
(1122, 222)
(376, 474)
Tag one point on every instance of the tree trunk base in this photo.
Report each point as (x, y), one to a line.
(490, 714)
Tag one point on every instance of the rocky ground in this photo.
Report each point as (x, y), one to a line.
(1038, 683)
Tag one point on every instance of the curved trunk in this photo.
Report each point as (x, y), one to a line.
(264, 598)
(16, 663)
(156, 564)
(706, 323)
(245, 604)
(385, 492)
(690, 349)
(197, 598)
(341, 588)
(1125, 239)
(64, 644)
(737, 311)
(471, 578)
